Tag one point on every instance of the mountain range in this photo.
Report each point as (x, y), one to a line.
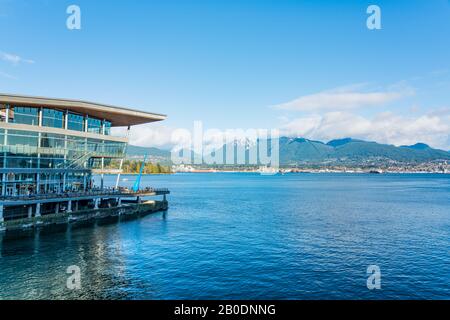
(297, 151)
(154, 155)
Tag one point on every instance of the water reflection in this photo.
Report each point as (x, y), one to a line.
(44, 258)
(244, 236)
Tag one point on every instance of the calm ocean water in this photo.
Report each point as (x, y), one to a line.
(232, 236)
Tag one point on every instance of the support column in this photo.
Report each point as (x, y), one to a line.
(57, 208)
(5, 143)
(38, 183)
(76, 206)
(4, 177)
(86, 122)
(7, 113)
(40, 117)
(38, 210)
(84, 182)
(30, 212)
(102, 177)
(66, 119)
(69, 206)
(96, 201)
(66, 127)
(64, 183)
(38, 175)
(119, 202)
(2, 208)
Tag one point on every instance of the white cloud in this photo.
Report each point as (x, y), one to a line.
(431, 128)
(330, 115)
(345, 98)
(148, 135)
(14, 59)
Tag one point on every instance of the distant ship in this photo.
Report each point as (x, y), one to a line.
(268, 171)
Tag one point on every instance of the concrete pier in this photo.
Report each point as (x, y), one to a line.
(131, 210)
(94, 206)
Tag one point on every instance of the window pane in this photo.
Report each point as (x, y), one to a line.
(75, 122)
(24, 138)
(52, 140)
(25, 115)
(52, 118)
(108, 128)
(94, 125)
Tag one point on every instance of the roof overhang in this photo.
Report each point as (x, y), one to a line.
(118, 116)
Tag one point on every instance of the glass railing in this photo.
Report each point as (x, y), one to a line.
(31, 150)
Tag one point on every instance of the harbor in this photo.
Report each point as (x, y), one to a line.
(283, 237)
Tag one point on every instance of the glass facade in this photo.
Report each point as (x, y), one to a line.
(52, 118)
(21, 138)
(25, 115)
(94, 125)
(41, 167)
(42, 162)
(50, 140)
(107, 128)
(55, 146)
(75, 122)
(55, 119)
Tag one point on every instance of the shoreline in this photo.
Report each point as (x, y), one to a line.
(283, 173)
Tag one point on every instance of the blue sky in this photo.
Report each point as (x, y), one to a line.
(310, 68)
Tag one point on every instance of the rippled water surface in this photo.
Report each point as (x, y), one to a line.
(232, 236)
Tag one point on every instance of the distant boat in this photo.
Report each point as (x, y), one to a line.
(268, 171)
(376, 171)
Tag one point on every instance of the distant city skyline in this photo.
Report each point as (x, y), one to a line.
(310, 68)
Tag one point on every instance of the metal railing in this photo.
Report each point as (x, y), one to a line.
(80, 194)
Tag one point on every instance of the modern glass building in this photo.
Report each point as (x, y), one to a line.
(49, 148)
